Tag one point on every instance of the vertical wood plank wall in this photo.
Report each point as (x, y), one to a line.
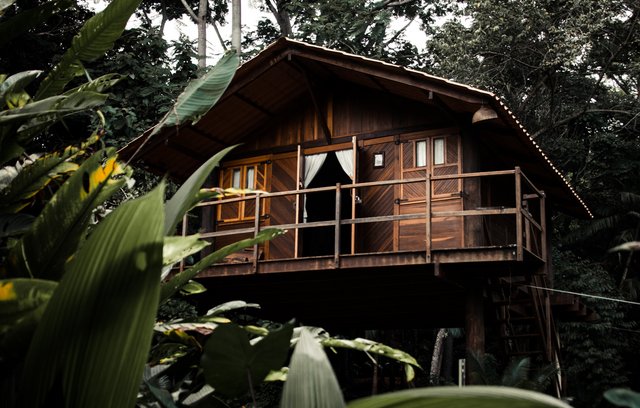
(355, 111)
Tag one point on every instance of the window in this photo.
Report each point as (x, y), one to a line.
(438, 151)
(421, 153)
(249, 176)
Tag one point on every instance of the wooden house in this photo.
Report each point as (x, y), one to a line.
(409, 200)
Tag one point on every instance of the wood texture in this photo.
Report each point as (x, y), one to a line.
(282, 210)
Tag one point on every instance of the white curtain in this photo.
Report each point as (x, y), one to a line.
(345, 157)
(312, 164)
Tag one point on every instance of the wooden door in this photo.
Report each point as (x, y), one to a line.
(282, 209)
(438, 155)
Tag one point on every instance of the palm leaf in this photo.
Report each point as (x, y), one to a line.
(171, 287)
(100, 318)
(517, 372)
(455, 397)
(311, 381)
(63, 222)
(96, 37)
(201, 94)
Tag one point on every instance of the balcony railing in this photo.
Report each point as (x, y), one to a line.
(516, 220)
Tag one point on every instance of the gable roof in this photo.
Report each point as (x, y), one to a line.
(267, 84)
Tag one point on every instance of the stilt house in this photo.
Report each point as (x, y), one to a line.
(409, 200)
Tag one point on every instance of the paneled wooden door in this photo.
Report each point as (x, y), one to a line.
(439, 155)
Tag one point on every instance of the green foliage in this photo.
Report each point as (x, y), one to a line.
(596, 356)
(454, 397)
(200, 95)
(232, 365)
(107, 302)
(623, 398)
(95, 38)
(311, 381)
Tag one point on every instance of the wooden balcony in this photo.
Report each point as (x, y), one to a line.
(434, 231)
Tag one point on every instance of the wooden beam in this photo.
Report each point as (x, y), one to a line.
(474, 324)
(443, 107)
(324, 124)
(253, 104)
(398, 75)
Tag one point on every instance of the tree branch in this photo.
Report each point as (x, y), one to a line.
(576, 116)
(190, 11)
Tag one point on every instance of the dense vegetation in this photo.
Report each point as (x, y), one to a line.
(569, 70)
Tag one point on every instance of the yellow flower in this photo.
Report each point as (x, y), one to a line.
(7, 292)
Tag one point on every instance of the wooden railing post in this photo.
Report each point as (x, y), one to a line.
(427, 197)
(336, 247)
(255, 234)
(519, 256)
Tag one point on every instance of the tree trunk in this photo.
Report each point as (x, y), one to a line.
(202, 34)
(281, 15)
(236, 25)
(436, 358)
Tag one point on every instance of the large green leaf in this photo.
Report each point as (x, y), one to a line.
(623, 398)
(16, 83)
(188, 194)
(63, 222)
(32, 179)
(169, 288)
(15, 224)
(311, 381)
(232, 365)
(92, 343)
(456, 397)
(99, 84)
(94, 39)
(373, 347)
(22, 303)
(201, 94)
(177, 248)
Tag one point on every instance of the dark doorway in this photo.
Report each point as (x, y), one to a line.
(320, 207)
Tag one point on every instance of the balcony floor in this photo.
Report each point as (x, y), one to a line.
(393, 290)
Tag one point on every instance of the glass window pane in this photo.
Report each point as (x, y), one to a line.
(235, 180)
(251, 175)
(421, 153)
(438, 151)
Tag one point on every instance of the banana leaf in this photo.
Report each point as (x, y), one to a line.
(171, 287)
(99, 84)
(311, 381)
(456, 397)
(621, 397)
(90, 348)
(96, 37)
(63, 222)
(201, 94)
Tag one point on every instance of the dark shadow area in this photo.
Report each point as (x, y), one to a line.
(320, 207)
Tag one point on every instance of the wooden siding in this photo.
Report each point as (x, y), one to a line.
(377, 201)
(282, 209)
(348, 111)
